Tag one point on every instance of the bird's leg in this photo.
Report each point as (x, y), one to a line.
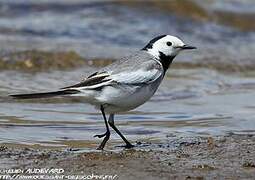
(111, 123)
(106, 135)
(106, 125)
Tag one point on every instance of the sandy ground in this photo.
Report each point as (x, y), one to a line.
(224, 157)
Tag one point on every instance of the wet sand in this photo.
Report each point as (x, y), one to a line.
(222, 157)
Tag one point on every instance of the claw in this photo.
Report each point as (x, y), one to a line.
(100, 148)
(106, 136)
(101, 135)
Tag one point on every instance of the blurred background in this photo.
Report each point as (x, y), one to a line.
(49, 44)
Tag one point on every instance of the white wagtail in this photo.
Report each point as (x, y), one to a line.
(124, 84)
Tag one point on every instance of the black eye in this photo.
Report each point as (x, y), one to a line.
(169, 43)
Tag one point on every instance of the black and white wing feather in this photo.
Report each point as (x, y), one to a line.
(95, 80)
(148, 72)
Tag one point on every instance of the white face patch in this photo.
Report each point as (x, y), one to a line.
(168, 45)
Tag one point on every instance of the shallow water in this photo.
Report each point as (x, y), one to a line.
(190, 102)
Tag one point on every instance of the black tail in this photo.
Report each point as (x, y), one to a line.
(44, 95)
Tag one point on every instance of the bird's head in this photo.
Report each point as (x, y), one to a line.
(167, 46)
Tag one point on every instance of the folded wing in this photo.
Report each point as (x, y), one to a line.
(148, 72)
(93, 81)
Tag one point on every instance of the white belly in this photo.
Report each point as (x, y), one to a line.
(124, 98)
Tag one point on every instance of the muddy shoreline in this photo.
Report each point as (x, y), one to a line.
(226, 157)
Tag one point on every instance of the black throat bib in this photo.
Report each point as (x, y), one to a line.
(166, 61)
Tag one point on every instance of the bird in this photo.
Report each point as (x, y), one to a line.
(125, 84)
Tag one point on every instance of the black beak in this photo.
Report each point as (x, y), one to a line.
(187, 47)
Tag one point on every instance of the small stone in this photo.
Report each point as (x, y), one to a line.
(28, 63)
(249, 164)
(3, 148)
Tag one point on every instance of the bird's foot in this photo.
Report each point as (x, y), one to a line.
(101, 135)
(100, 148)
(106, 138)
